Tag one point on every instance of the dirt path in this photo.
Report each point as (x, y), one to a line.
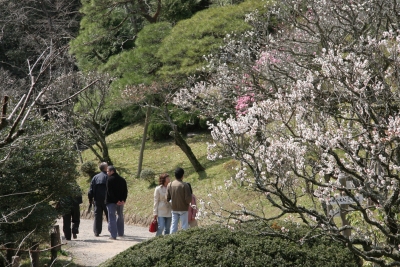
(88, 250)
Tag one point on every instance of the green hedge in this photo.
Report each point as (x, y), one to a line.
(219, 246)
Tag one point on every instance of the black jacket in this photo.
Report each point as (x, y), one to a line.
(116, 189)
(98, 187)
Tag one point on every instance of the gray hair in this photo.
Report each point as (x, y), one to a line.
(103, 166)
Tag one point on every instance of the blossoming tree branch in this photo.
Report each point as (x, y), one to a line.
(309, 103)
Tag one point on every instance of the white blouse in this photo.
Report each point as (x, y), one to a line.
(162, 208)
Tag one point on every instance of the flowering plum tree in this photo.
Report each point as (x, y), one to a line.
(324, 110)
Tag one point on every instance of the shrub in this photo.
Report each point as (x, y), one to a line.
(159, 131)
(132, 114)
(89, 168)
(148, 175)
(116, 122)
(219, 246)
(186, 122)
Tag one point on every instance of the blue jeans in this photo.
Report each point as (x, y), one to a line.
(115, 225)
(164, 223)
(183, 216)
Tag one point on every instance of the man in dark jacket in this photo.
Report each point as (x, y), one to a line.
(117, 191)
(72, 214)
(97, 195)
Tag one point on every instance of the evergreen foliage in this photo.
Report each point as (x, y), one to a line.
(219, 246)
(183, 50)
(40, 172)
(27, 27)
(89, 168)
(148, 175)
(101, 35)
(139, 65)
(109, 28)
(176, 10)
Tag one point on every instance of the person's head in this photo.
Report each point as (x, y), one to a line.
(179, 172)
(111, 169)
(103, 166)
(163, 179)
(190, 187)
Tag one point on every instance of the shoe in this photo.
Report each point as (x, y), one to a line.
(96, 234)
(67, 238)
(113, 238)
(74, 236)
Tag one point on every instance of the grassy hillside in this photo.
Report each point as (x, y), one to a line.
(165, 157)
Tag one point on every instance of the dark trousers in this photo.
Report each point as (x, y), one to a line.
(73, 216)
(99, 208)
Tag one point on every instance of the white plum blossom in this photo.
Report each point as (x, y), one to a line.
(319, 106)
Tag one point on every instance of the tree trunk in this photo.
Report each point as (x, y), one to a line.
(106, 156)
(79, 153)
(146, 126)
(179, 141)
(100, 137)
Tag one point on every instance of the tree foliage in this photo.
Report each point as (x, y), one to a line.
(92, 114)
(29, 26)
(183, 50)
(109, 28)
(36, 156)
(310, 107)
(176, 10)
(105, 30)
(139, 65)
(40, 171)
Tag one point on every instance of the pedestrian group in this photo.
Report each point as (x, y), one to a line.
(174, 202)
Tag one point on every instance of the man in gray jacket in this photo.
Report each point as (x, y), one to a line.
(97, 195)
(179, 194)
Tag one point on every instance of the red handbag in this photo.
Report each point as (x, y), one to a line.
(153, 226)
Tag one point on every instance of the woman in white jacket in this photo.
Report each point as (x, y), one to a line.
(162, 208)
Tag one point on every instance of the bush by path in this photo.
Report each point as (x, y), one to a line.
(219, 246)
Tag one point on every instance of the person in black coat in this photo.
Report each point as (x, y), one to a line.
(117, 192)
(97, 195)
(72, 214)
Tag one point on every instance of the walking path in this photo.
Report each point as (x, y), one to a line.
(89, 251)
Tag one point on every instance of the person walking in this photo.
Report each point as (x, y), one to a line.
(162, 208)
(117, 192)
(179, 194)
(97, 195)
(72, 215)
(192, 209)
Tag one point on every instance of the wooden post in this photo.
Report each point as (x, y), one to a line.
(327, 206)
(3, 262)
(35, 255)
(9, 253)
(344, 208)
(55, 240)
(16, 261)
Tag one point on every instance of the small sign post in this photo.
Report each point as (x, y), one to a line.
(343, 201)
